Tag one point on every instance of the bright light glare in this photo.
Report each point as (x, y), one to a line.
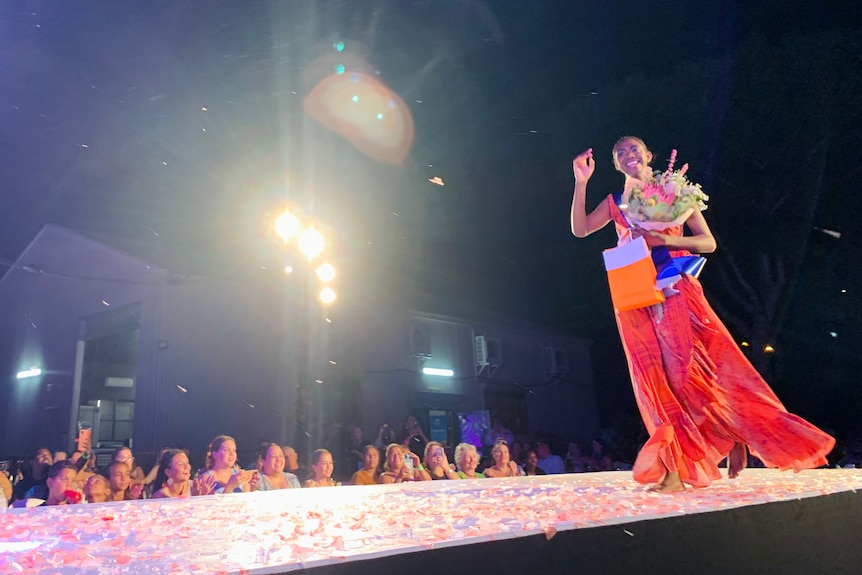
(32, 372)
(311, 243)
(327, 295)
(288, 269)
(287, 226)
(326, 272)
(438, 371)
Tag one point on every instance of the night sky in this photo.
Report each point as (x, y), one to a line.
(175, 130)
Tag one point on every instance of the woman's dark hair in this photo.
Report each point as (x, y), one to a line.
(166, 460)
(264, 450)
(59, 466)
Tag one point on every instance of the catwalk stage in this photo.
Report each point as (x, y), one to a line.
(764, 522)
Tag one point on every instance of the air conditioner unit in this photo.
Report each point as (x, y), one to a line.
(488, 354)
(481, 346)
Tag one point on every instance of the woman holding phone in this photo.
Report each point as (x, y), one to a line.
(402, 465)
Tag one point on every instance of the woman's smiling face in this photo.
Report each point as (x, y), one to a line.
(631, 157)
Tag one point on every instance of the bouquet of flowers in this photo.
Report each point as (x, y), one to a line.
(664, 201)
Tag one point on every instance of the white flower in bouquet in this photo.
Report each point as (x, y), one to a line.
(664, 201)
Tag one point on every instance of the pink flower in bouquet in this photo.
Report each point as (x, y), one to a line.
(668, 198)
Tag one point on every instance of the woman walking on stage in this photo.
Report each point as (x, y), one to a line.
(699, 397)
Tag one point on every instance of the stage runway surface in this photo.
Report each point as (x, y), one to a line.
(288, 530)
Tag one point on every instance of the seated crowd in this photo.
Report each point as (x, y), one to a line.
(76, 479)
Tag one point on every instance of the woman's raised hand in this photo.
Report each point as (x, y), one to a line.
(583, 166)
(204, 485)
(444, 461)
(254, 482)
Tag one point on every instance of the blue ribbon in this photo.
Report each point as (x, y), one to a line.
(670, 269)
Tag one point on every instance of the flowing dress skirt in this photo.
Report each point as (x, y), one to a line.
(698, 395)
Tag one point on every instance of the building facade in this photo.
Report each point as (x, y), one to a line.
(94, 337)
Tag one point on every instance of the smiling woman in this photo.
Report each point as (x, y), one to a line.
(699, 397)
(221, 466)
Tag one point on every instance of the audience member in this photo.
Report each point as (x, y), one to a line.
(61, 485)
(436, 462)
(370, 472)
(120, 482)
(503, 465)
(531, 464)
(321, 469)
(384, 437)
(97, 489)
(397, 470)
(467, 458)
(552, 464)
(272, 473)
(136, 474)
(221, 464)
(35, 484)
(173, 478)
(412, 436)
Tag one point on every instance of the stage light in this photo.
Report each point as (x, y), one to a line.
(438, 371)
(744, 344)
(327, 295)
(311, 243)
(287, 226)
(768, 349)
(32, 372)
(326, 272)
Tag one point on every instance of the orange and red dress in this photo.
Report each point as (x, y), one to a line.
(698, 394)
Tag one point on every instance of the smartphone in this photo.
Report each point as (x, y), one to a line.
(408, 463)
(83, 434)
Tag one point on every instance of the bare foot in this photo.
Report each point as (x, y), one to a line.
(737, 460)
(670, 484)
